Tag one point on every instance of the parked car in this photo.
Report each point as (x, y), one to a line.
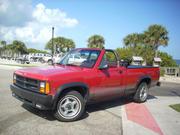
(55, 59)
(76, 59)
(38, 57)
(23, 59)
(67, 87)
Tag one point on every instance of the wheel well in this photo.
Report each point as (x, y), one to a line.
(82, 90)
(147, 80)
(50, 60)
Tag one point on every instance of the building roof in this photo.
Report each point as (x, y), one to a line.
(137, 58)
(156, 59)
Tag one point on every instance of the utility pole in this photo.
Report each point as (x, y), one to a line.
(53, 46)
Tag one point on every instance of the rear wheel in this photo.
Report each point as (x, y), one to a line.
(141, 93)
(70, 107)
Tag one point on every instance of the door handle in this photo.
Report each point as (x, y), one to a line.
(120, 71)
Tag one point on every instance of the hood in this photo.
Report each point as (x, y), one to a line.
(43, 73)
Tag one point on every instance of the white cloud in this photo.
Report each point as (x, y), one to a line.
(36, 30)
(54, 17)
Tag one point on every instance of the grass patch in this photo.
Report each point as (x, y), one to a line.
(176, 107)
(19, 65)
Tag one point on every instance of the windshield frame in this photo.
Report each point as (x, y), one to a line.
(79, 49)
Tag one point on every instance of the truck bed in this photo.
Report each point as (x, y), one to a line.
(136, 66)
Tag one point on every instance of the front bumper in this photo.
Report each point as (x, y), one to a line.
(38, 100)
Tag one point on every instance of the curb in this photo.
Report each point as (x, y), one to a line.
(5, 67)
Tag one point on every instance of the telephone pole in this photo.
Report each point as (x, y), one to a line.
(53, 46)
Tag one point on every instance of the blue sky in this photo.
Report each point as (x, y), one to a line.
(114, 19)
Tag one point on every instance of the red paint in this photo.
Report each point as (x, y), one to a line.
(139, 114)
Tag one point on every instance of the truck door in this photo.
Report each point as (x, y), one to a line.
(110, 76)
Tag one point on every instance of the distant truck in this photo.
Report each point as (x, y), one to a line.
(38, 57)
(24, 59)
(53, 59)
(67, 87)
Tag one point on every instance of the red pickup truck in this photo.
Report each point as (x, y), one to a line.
(82, 76)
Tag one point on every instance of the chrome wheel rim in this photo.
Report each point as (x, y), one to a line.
(143, 92)
(69, 107)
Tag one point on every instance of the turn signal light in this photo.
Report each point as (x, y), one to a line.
(44, 87)
(47, 88)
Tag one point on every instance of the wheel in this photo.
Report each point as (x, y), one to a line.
(41, 60)
(141, 93)
(27, 62)
(70, 107)
(50, 62)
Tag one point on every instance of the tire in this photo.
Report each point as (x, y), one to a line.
(141, 93)
(42, 60)
(50, 62)
(70, 107)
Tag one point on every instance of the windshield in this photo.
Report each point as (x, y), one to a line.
(80, 57)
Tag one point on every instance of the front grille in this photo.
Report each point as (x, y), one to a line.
(27, 83)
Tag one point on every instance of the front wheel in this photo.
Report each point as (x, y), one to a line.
(141, 93)
(70, 107)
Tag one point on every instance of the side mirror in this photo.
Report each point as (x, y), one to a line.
(104, 65)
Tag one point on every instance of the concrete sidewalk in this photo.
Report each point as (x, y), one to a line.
(6, 67)
(151, 118)
(171, 79)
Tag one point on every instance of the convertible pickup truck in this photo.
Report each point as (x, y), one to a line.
(92, 75)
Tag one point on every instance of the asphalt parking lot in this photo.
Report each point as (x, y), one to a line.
(104, 118)
(17, 118)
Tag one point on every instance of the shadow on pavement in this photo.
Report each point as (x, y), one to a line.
(46, 114)
(175, 93)
(99, 106)
(151, 97)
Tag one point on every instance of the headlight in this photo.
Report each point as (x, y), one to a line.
(44, 87)
(42, 84)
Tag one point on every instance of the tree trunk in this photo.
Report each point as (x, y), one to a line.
(156, 53)
(134, 52)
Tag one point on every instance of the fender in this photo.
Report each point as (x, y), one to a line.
(142, 78)
(69, 85)
(133, 90)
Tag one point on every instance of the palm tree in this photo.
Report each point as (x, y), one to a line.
(156, 36)
(132, 40)
(19, 46)
(96, 41)
(61, 44)
(3, 44)
(69, 44)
